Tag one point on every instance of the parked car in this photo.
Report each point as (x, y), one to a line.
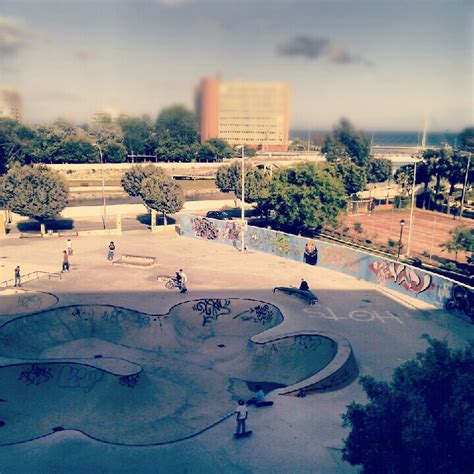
(221, 215)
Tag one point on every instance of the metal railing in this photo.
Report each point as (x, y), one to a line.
(30, 277)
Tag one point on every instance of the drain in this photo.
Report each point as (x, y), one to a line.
(220, 345)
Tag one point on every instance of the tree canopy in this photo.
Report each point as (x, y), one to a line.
(305, 197)
(17, 144)
(178, 124)
(378, 170)
(462, 240)
(34, 191)
(228, 176)
(161, 193)
(421, 421)
(133, 178)
(352, 176)
(346, 142)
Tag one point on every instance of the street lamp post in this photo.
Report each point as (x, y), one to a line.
(402, 223)
(411, 210)
(104, 207)
(465, 185)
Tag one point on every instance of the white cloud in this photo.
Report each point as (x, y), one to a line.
(14, 36)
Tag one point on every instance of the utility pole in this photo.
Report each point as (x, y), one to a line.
(243, 201)
(465, 185)
(410, 228)
(104, 207)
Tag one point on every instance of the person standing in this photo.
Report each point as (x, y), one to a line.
(242, 414)
(17, 276)
(69, 247)
(111, 254)
(65, 262)
(182, 284)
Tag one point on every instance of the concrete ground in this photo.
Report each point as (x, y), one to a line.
(295, 435)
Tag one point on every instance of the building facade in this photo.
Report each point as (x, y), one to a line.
(10, 104)
(249, 113)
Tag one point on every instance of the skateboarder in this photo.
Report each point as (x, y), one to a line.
(65, 261)
(242, 414)
(17, 276)
(69, 247)
(258, 397)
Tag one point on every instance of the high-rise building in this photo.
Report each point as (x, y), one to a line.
(10, 104)
(249, 113)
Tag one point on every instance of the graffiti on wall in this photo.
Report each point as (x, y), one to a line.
(210, 309)
(79, 377)
(261, 314)
(36, 375)
(402, 275)
(433, 289)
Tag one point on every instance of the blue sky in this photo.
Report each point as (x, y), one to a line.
(383, 64)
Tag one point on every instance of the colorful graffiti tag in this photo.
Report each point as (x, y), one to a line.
(402, 275)
(205, 229)
(433, 289)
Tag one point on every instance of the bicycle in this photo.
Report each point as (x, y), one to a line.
(172, 283)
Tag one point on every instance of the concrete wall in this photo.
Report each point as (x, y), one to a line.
(426, 286)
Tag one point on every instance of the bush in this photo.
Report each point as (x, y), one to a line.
(422, 421)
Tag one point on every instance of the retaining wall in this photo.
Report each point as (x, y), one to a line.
(426, 286)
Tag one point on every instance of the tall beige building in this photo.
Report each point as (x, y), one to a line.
(250, 113)
(10, 104)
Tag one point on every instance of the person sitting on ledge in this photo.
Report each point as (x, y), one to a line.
(258, 397)
(304, 285)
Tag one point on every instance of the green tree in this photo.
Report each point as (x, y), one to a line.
(136, 133)
(352, 176)
(35, 192)
(228, 176)
(214, 149)
(404, 177)
(346, 142)
(161, 193)
(421, 421)
(171, 149)
(378, 170)
(133, 178)
(114, 153)
(466, 139)
(17, 144)
(462, 240)
(179, 124)
(75, 150)
(305, 197)
(256, 185)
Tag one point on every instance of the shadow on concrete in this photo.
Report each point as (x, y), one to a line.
(55, 225)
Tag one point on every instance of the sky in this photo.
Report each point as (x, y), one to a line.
(383, 64)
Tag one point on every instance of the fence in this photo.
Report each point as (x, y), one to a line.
(426, 286)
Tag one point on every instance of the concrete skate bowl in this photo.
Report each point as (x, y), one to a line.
(16, 301)
(129, 378)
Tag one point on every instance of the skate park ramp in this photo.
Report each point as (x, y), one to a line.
(124, 377)
(14, 301)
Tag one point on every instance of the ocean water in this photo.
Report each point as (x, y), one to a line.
(395, 138)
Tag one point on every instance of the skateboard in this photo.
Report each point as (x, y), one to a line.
(242, 435)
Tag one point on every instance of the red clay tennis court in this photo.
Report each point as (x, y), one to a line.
(429, 229)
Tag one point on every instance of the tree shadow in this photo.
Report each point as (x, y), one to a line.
(55, 225)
